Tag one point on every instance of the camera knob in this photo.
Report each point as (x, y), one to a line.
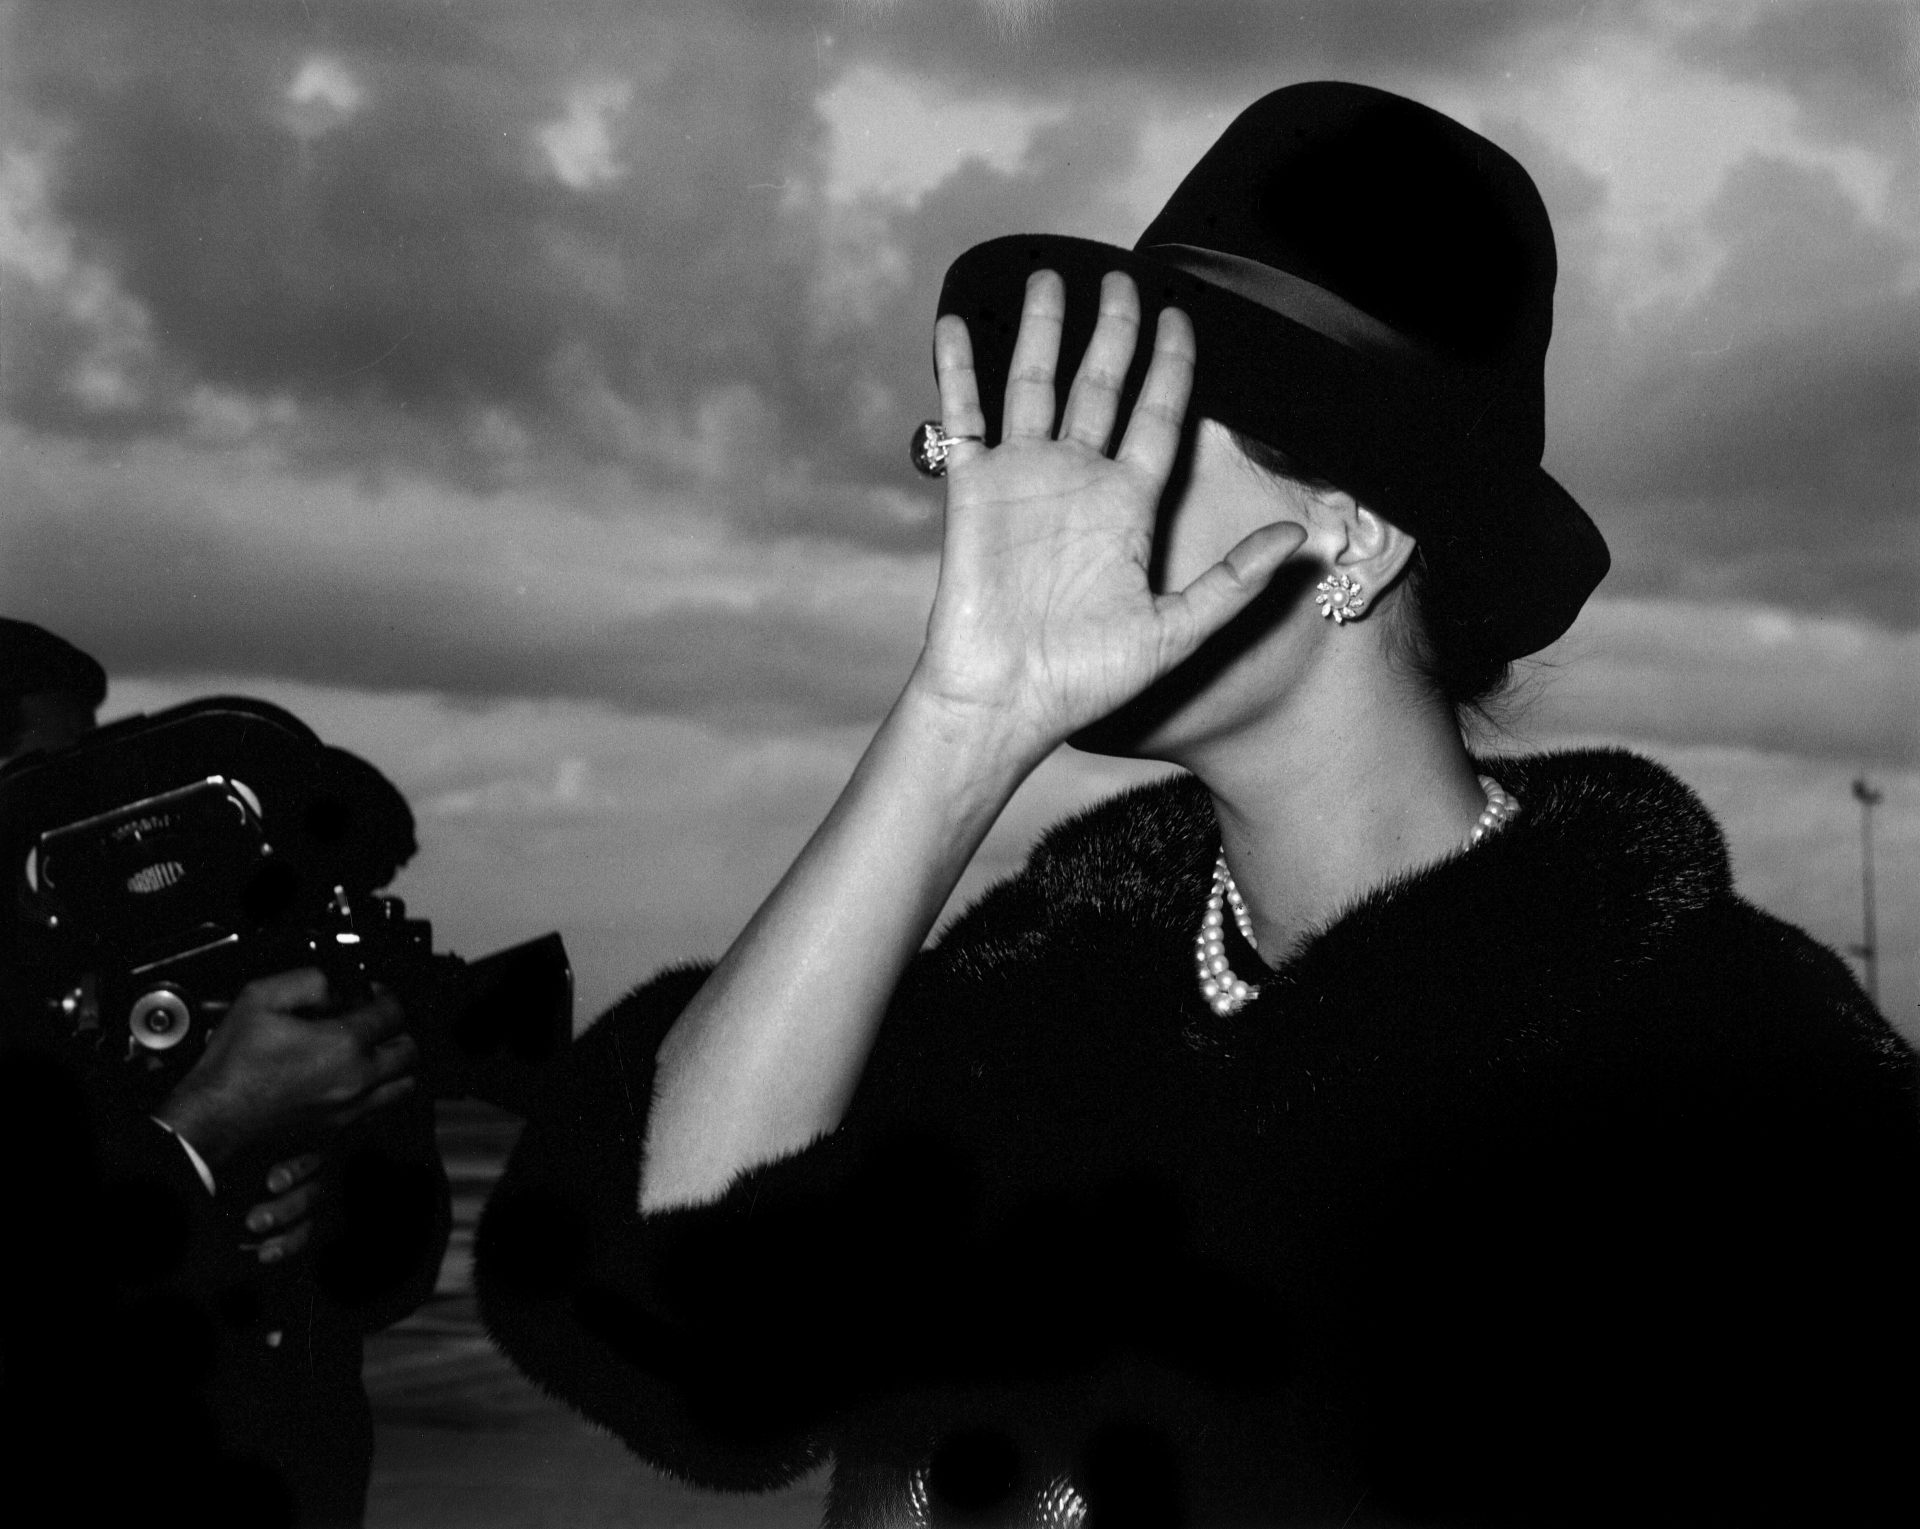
(160, 1020)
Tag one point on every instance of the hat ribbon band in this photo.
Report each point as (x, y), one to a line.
(1292, 297)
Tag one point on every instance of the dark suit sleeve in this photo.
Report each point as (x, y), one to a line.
(103, 1195)
(106, 1346)
(605, 1309)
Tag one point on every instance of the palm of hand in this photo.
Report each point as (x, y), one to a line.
(1044, 601)
(1044, 618)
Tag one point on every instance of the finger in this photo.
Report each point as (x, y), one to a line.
(285, 1245)
(1094, 400)
(960, 412)
(283, 1176)
(1036, 352)
(1152, 440)
(393, 1058)
(392, 1093)
(374, 1021)
(305, 988)
(1225, 589)
(383, 1097)
(284, 1211)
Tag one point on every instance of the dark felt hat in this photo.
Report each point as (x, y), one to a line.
(1371, 289)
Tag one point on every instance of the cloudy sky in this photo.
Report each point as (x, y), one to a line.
(518, 388)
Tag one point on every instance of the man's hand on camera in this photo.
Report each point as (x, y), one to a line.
(279, 1073)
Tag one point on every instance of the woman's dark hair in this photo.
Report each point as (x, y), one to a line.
(1442, 641)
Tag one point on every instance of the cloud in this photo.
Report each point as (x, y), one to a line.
(1764, 440)
(1851, 63)
(1732, 675)
(166, 562)
(1782, 470)
(460, 252)
(570, 349)
(580, 146)
(868, 155)
(413, 209)
(324, 95)
(455, 225)
(1204, 43)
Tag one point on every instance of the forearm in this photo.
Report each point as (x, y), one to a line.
(766, 1056)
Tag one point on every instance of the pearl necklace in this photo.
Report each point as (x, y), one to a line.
(1227, 994)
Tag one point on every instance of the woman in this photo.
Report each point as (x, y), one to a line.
(1349, 1132)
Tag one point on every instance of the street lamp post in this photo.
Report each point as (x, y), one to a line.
(1868, 948)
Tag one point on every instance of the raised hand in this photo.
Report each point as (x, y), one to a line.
(1044, 619)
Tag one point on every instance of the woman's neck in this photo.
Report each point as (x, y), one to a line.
(1338, 791)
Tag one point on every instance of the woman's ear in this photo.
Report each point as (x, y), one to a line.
(1374, 550)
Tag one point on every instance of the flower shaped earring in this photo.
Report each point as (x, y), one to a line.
(1339, 597)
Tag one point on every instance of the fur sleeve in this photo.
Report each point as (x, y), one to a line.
(719, 1341)
(733, 1343)
(580, 1291)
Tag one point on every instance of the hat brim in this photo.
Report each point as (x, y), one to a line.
(1404, 439)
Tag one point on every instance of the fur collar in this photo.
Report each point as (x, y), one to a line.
(1627, 852)
(1610, 872)
(1057, 1026)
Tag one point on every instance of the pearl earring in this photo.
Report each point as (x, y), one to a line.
(1340, 598)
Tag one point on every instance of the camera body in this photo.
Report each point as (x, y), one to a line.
(158, 866)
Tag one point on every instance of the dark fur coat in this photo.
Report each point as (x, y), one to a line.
(1554, 1183)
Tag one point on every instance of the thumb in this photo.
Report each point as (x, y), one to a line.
(1229, 586)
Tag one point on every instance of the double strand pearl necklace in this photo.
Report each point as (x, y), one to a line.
(1227, 994)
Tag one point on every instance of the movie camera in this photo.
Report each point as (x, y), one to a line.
(161, 864)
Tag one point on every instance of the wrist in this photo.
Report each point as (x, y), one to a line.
(935, 777)
(993, 742)
(186, 1117)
